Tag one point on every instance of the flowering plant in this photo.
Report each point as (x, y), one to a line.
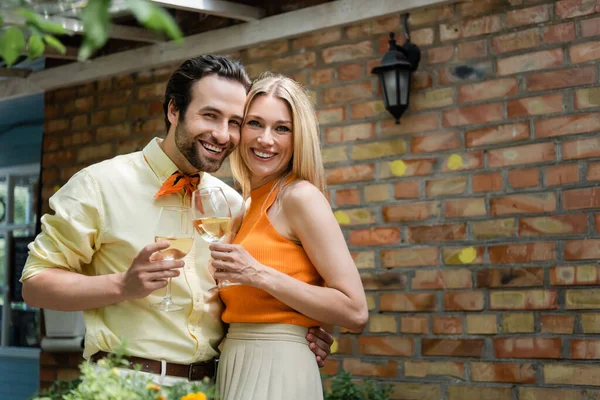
(105, 381)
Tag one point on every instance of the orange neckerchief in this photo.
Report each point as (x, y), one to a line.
(178, 181)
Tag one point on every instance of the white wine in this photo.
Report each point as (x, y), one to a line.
(213, 229)
(179, 247)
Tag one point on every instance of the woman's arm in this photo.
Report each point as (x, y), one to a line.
(342, 302)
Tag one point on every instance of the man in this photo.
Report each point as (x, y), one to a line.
(88, 255)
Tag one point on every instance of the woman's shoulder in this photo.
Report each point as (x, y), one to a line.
(299, 194)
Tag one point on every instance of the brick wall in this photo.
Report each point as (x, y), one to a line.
(475, 223)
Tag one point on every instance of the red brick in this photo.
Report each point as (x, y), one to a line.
(516, 41)
(347, 52)
(411, 123)
(497, 134)
(522, 253)
(387, 280)
(510, 277)
(585, 349)
(346, 197)
(317, 39)
(524, 178)
(349, 133)
(487, 182)
(419, 80)
(465, 392)
(532, 393)
(344, 94)
(593, 172)
(452, 347)
(441, 279)
(590, 27)
(470, 28)
(295, 62)
(447, 325)
(454, 255)
(451, 74)
(428, 16)
(463, 301)
(438, 233)
(414, 167)
(414, 325)
(446, 186)
(435, 142)
(386, 346)
(579, 199)
(503, 372)
(565, 78)
(523, 300)
(143, 93)
(422, 369)
(547, 104)
(527, 347)
(582, 249)
(321, 77)
(355, 366)
(500, 88)
(471, 50)
(411, 212)
(584, 52)
(562, 174)
(374, 237)
(406, 190)
(493, 228)
(420, 37)
(553, 225)
(583, 148)
(527, 154)
(528, 16)
(56, 125)
(350, 72)
(331, 115)
(576, 8)
(523, 204)
(462, 208)
(356, 173)
(567, 125)
(61, 157)
(473, 115)
(77, 139)
(407, 302)
(150, 126)
(558, 324)
(410, 257)
(530, 62)
(467, 161)
(579, 275)
(89, 154)
(51, 143)
(559, 33)
(439, 55)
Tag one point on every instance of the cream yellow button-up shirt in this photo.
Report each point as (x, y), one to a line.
(103, 217)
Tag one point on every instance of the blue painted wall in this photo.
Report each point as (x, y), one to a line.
(19, 377)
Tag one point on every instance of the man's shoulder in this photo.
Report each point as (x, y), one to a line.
(210, 180)
(116, 166)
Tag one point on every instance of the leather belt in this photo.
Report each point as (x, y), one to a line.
(193, 372)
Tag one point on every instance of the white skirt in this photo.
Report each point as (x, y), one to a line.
(268, 362)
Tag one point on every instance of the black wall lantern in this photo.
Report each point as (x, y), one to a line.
(395, 70)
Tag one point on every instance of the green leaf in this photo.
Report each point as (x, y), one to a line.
(43, 24)
(55, 43)
(1, 20)
(96, 25)
(12, 44)
(35, 47)
(155, 18)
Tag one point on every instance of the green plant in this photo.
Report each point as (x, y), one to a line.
(104, 381)
(37, 32)
(343, 387)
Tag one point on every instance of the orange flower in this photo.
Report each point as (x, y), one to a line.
(194, 396)
(152, 386)
(162, 398)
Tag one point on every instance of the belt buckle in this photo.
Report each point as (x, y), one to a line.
(191, 368)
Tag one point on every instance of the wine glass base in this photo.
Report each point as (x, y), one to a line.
(167, 305)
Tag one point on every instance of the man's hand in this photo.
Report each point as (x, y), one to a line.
(149, 272)
(320, 343)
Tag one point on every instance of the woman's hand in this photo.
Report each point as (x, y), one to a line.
(233, 263)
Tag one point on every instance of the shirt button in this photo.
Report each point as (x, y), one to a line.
(198, 298)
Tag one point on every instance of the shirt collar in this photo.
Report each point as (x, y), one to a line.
(159, 161)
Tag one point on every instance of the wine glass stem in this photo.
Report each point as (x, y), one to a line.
(168, 293)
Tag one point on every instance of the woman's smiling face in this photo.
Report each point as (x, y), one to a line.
(267, 137)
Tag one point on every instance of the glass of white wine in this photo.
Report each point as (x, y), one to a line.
(174, 226)
(212, 219)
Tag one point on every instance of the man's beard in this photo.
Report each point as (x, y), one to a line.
(188, 147)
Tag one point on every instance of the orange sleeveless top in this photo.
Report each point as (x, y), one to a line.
(267, 246)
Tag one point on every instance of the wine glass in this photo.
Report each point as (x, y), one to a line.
(174, 226)
(212, 219)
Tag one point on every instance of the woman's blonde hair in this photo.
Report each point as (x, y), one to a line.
(306, 163)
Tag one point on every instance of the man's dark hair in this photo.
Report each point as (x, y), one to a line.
(179, 87)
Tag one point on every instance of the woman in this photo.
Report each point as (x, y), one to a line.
(289, 254)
